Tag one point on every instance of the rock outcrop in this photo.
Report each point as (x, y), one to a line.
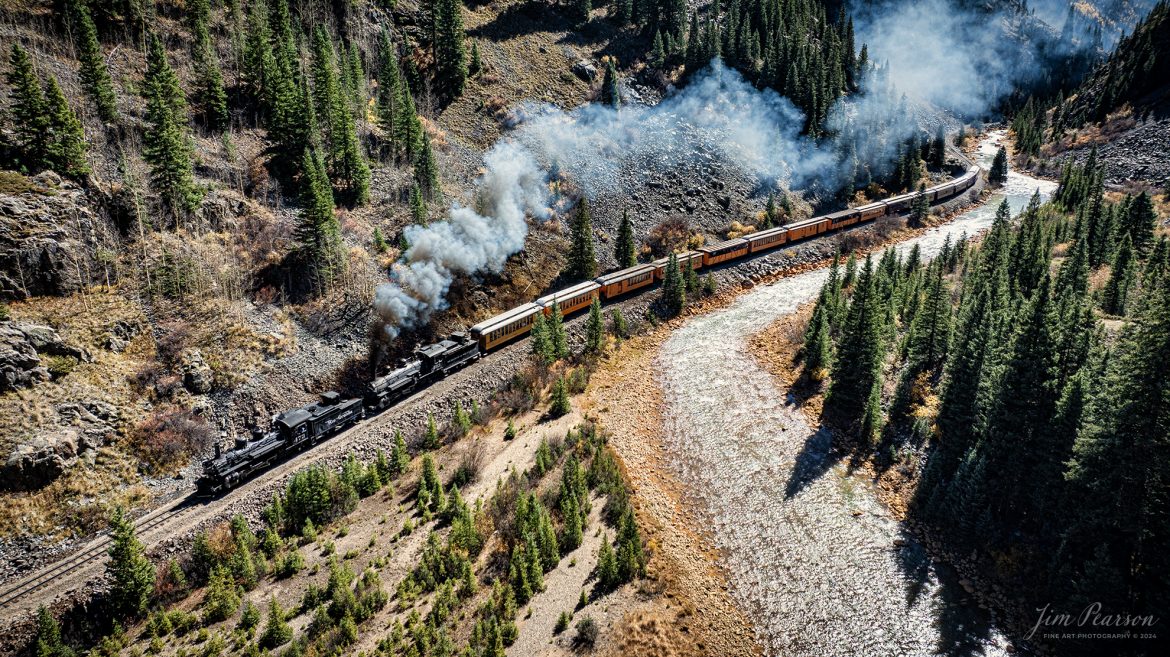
(49, 239)
(83, 428)
(21, 349)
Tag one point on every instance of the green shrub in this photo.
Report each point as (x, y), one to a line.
(562, 622)
(250, 617)
(587, 632)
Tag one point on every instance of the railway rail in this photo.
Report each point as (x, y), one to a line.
(97, 548)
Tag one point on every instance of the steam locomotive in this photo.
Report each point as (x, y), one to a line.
(304, 427)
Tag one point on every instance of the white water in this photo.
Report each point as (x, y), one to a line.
(809, 551)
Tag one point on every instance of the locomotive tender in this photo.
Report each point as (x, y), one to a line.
(296, 429)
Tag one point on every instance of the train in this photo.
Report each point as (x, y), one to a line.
(303, 427)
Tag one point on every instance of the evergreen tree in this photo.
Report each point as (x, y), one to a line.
(582, 263)
(431, 438)
(579, 11)
(817, 349)
(95, 76)
(318, 234)
(1119, 541)
(131, 574)
(657, 51)
(938, 149)
(559, 403)
(558, 337)
(450, 49)
(29, 110)
(210, 95)
(999, 168)
(418, 207)
(426, 171)
(476, 65)
(168, 146)
(389, 90)
(625, 250)
(618, 320)
(260, 70)
(1138, 222)
(674, 291)
(919, 207)
(690, 277)
(594, 328)
(66, 153)
(1114, 295)
(277, 631)
(408, 132)
(48, 642)
(399, 455)
(856, 371)
(542, 346)
(610, 95)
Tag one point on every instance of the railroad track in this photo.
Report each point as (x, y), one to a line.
(92, 552)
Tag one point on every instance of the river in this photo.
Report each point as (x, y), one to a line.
(812, 557)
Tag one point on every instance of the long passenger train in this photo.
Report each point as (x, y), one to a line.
(303, 427)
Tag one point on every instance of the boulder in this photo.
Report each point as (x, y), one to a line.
(46, 341)
(121, 333)
(39, 462)
(585, 70)
(197, 374)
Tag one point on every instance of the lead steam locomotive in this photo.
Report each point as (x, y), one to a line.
(303, 427)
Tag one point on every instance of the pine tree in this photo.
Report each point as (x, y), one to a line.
(610, 95)
(48, 642)
(476, 65)
(674, 290)
(95, 77)
(318, 234)
(389, 90)
(558, 336)
(1139, 221)
(168, 147)
(625, 251)
(1118, 473)
(29, 110)
(399, 455)
(579, 11)
(559, 402)
(210, 94)
(919, 207)
(657, 51)
(1114, 295)
(618, 321)
(131, 574)
(542, 346)
(817, 349)
(856, 371)
(999, 168)
(426, 171)
(450, 49)
(260, 66)
(431, 438)
(418, 207)
(277, 632)
(408, 132)
(582, 262)
(938, 149)
(594, 328)
(66, 153)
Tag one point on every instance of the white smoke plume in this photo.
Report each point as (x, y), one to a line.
(470, 241)
(718, 112)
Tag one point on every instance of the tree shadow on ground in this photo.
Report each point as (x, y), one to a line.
(816, 457)
(964, 629)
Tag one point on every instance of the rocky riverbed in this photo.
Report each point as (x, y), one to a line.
(813, 558)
